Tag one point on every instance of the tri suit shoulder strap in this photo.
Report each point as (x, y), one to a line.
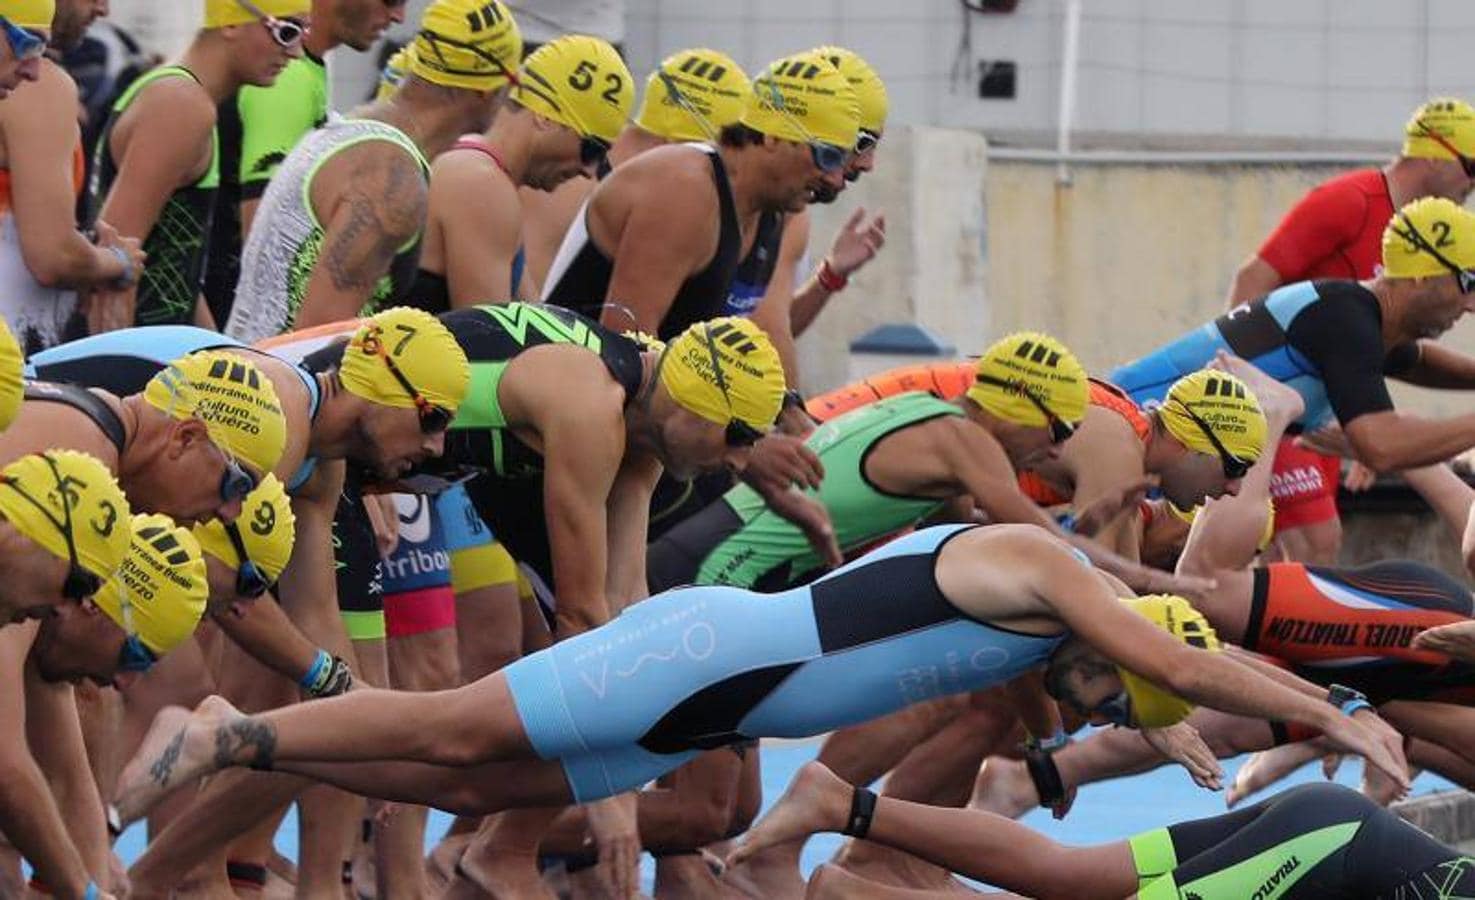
(84, 401)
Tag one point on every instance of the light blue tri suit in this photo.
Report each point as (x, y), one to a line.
(122, 362)
(1322, 338)
(697, 668)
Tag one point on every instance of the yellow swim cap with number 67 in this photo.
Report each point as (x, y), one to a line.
(401, 352)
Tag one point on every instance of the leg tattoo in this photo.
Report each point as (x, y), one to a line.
(233, 738)
(163, 767)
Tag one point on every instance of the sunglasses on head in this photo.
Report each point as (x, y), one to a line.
(1465, 162)
(1234, 467)
(286, 32)
(79, 583)
(1464, 277)
(1060, 430)
(826, 157)
(737, 433)
(24, 43)
(433, 419)
(866, 141)
(250, 580)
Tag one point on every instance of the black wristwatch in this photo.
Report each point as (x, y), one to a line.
(1347, 699)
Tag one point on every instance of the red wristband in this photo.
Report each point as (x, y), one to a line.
(829, 279)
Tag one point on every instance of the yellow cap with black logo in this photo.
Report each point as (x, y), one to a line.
(41, 492)
(160, 590)
(12, 377)
(33, 14)
(724, 370)
(870, 90)
(804, 98)
(1153, 707)
(1429, 237)
(578, 81)
(692, 95)
(417, 346)
(236, 402)
(267, 527)
(471, 44)
(394, 71)
(1443, 128)
(1024, 371)
(1210, 401)
(220, 13)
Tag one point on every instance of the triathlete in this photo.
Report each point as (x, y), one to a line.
(569, 102)
(157, 163)
(593, 716)
(27, 27)
(337, 233)
(1334, 231)
(259, 126)
(1309, 843)
(897, 462)
(1336, 341)
(43, 257)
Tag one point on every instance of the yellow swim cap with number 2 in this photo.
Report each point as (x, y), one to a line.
(578, 81)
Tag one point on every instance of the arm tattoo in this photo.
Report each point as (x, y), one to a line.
(163, 767)
(379, 222)
(235, 738)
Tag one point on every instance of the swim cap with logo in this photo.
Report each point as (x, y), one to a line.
(236, 402)
(162, 581)
(39, 493)
(1030, 364)
(32, 14)
(578, 81)
(724, 370)
(1225, 405)
(803, 98)
(1422, 232)
(870, 90)
(267, 527)
(220, 13)
(471, 44)
(423, 350)
(692, 95)
(1153, 707)
(1439, 125)
(12, 382)
(394, 71)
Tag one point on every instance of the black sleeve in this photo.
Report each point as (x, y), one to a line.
(1342, 337)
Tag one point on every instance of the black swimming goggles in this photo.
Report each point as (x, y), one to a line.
(1465, 277)
(1234, 467)
(1060, 430)
(738, 432)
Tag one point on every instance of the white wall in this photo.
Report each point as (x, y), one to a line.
(1299, 69)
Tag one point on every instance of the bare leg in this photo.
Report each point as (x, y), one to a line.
(1269, 766)
(974, 843)
(502, 859)
(830, 882)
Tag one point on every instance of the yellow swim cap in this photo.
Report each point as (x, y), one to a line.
(219, 13)
(692, 95)
(725, 370)
(267, 528)
(471, 44)
(12, 382)
(1266, 535)
(394, 71)
(32, 14)
(1443, 128)
(1429, 237)
(237, 404)
(578, 81)
(160, 590)
(41, 493)
(804, 98)
(870, 90)
(1028, 365)
(415, 344)
(1153, 707)
(1212, 402)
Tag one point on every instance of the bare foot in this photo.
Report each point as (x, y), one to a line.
(771, 874)
(688, 876)
(816, 800)
(1267, 767)
(834, 883)
(1004, 788)
(502, 876)
(178, 748)
(1278, 402)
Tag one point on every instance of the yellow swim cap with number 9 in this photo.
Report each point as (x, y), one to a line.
(32, 14)
(1152, 706)
(1429, 237)
(267, 527)
(803, 98)
(160, 590)
(1020, 373)
(41, 492)
(692, 95)
(236, 402)
(724, 370)
(578, 81)
(470, 44)
(403, 349)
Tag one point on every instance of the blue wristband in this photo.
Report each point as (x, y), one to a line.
(1356, 703)
(1067, 523)
(92, 892)
(315, 672)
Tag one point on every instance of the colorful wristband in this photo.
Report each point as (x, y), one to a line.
(829, 279)
(316, 672)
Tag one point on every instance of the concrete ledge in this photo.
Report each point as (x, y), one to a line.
(1447, 815)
